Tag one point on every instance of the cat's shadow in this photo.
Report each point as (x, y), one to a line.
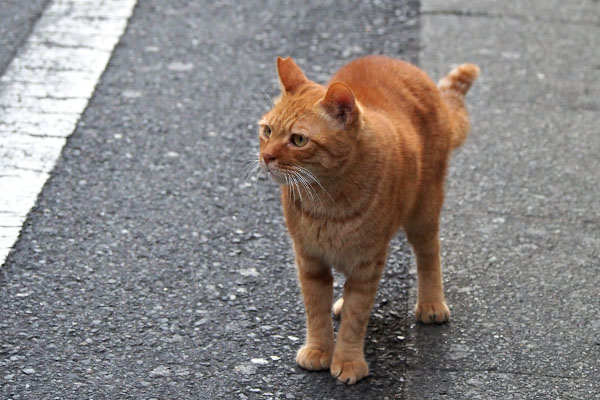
(393, 334)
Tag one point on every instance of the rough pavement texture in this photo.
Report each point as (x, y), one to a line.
(43, 93)
(521, 226)
(16, 19)
(149, 268)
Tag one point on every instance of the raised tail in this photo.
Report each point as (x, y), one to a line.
(453, 88)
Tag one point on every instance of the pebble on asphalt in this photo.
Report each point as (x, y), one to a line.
(160, 371)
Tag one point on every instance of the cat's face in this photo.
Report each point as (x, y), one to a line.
(310, 132)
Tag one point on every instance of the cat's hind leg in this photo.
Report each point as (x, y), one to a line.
(431, 306)
(422, 234)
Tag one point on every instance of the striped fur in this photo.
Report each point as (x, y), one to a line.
(375, 146)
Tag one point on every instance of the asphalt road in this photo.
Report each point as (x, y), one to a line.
(521, 221)
(149, 268)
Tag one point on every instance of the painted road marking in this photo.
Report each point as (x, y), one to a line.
(44, 91)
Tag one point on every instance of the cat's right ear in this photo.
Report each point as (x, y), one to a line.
(290, 75)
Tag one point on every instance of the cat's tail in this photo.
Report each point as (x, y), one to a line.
(453, 88)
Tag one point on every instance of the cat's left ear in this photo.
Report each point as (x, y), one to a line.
(339, 103)
(290, 74)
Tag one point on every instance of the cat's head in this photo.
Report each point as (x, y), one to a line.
(310, 131)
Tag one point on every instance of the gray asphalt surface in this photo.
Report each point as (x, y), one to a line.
(16, 19)
(149, 268)
(521, 224)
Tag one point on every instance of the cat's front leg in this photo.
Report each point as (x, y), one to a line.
(316, 282)
(348, 364)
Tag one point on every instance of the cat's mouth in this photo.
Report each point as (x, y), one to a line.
(276, 174)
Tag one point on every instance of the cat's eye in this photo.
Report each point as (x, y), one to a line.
(267, 131)
(299, 140)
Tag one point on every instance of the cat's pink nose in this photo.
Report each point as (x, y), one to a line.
(268, 157)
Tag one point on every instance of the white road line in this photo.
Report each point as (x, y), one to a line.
(43, 93)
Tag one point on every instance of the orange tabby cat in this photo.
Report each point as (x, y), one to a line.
(358, 159)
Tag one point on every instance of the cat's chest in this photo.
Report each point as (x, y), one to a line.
(338, 242)
(328, 234)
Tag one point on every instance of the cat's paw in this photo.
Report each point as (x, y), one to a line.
(313, 358)
(337, 307)
(349, 370)
(435, 312)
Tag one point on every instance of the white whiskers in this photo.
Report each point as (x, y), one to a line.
(297, 179)
(301, 179)
(313, 178)
(251, 172)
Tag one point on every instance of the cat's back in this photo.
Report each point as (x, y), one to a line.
(388, 84)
